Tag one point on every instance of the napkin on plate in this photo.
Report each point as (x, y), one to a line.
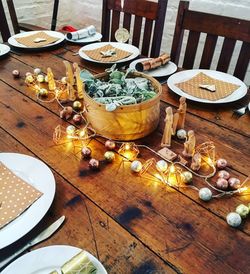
(82, 33)
(192, 87)
(15, 195)
(97, 55)
(28, 40)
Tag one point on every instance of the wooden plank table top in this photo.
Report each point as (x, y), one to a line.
(131, 224)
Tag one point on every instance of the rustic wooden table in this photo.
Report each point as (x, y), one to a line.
(131, 224)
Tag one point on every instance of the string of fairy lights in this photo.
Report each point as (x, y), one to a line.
(175, 174)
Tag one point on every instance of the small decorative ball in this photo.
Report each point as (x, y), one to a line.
(249, 206)
(86, 152)
(66, 112)
(162, 166)
(234, 183)
(181, 134)
(242, 210)
(188, 177)
(222, 183)
(136, 166)
(93, 164)
(37, 71)
(205, 194)
(28, 74)
(40, 78)
(77, 119)
(29, 79)
(16, 73)
(221, 163)
(64, 80)
(223, 174)
(77, 105)
(110, 145)
(46, 79)
(70, 130)
(109, 156)
(43, 92)
(233, 219)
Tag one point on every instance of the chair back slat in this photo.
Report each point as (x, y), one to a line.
(192, 44)
(127, 21)
(54, 15)
(208, 51)
(13, 16)
(232, 29)
(147, 37)
(152, 11)
(4, 28)
(243, 61)
(226, 54)
(137, 31)
(115, 23)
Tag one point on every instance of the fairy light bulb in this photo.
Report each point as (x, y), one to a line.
(82, 133)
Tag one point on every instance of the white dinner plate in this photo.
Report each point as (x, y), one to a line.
(249, 106)
(90, 39)
(12, 41)
(127, 47)
(4, 49)
(36, 173)
(187, 74)
(162, 71)
(46, 259)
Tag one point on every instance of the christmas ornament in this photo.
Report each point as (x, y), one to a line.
(181, 134)
(221, 163)
(16, 73)
(77, 119)
(205, 194)
(70, 130)
(43, 92)
(29, 79)
(136, 166)
(188, 177)
(109, 156)
(77, 105)
(66, 113)
(223, 174)
(86, 152)
(37, 71)
(110, 145)
(234, 183)
(222, 183)
(162, 166)
(242, 210)
(93, 164)
(40, 78)
(234, 219)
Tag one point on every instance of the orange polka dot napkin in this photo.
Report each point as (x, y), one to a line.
(15, 195)
(191, 86)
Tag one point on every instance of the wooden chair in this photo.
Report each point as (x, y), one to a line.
(231, 29)
(4, 29)
(151, 11)
(21, 26)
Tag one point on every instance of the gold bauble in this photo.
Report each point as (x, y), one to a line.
(43, 92)
(77, 105)
(187, 176)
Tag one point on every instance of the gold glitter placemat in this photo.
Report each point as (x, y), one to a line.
(191, 86)
(96, 54)
(15, 195)
(28, 40)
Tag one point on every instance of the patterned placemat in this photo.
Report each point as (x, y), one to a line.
(15, 195)
(28, 40)
(96, 54)
(191, 86)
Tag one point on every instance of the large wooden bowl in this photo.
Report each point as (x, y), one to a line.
(128, 122)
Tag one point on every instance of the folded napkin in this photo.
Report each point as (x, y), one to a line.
(79, 264)
(99, 54)
(30, 40)
(82, 33)
(193, 87)
(15, 195)
(153, 63)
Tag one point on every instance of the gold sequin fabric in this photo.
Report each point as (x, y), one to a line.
(95, 54)
(28, 40)
(15, 195)
(191, 86)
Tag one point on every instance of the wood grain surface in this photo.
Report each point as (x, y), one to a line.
(131, 224)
